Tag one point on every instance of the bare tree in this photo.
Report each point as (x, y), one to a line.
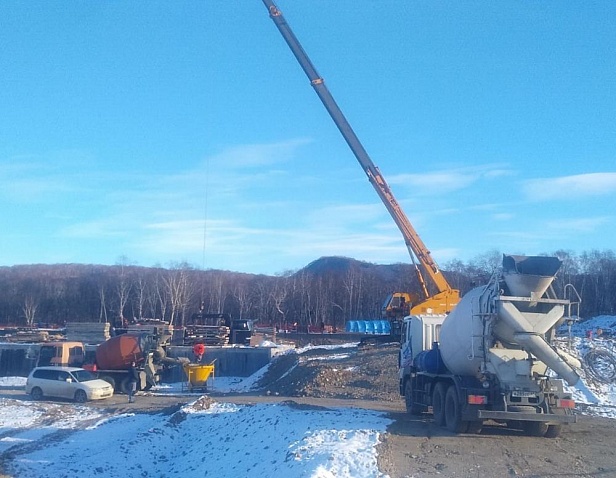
(162, 297)
(240, 292)
(353, 285)
(178, 290)
(140, 292)
(29, 309)
(102, 316)
(260, 297)
(277, 296)
(215, 291)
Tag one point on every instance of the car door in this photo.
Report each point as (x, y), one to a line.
(50, 383)
(64, 387)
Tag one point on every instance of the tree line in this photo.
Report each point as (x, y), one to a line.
(332, 290)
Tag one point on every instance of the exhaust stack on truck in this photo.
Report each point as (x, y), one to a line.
(491, 357)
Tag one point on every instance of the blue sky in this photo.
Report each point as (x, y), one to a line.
(162, 132)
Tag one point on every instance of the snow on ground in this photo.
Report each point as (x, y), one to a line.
(607, 323)
(23, 422)
(222, 441)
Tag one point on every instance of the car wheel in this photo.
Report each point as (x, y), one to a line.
(36, 393)
(80, 396)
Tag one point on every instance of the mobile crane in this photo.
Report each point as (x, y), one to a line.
(445, 298)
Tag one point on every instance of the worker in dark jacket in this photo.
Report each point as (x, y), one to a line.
(133, 379)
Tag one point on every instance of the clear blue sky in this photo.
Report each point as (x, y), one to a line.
(161, 132)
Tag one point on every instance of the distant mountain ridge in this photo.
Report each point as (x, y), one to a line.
(341, 264)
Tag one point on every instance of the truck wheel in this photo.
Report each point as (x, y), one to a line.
(80, 396)
(475, 427)
(125, 385)
(553, 431)
(411, 407)
(438, 403)
(453, 412)
(535, 429)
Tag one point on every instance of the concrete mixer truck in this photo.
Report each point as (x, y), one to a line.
(492, 357)
(113, 358)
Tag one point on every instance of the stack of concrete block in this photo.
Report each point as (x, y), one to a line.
(88, 332)
(159, 328)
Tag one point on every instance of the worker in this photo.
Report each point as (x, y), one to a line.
(198, 350)
(133, 379)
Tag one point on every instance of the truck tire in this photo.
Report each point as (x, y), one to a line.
(125, 385)
(475, 427)
(453, 412)
(438, 403)
(411, 407)
(535, 429)
(553, 431)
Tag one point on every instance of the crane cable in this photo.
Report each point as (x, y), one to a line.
(205, 211)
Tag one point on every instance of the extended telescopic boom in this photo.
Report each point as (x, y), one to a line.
(446, 298)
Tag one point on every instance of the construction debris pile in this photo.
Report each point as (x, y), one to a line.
(348, 373)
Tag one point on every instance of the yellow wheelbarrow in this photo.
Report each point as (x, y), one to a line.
(197, 375)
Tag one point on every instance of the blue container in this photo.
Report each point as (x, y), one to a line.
(430, 361)
(361, 326)
(369, 324)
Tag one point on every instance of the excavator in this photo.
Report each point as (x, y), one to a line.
(399, 303)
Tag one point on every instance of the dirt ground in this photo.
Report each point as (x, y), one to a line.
(413, 446)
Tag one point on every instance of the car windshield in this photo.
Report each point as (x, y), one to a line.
(83, 375)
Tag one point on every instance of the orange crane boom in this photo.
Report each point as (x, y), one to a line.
(446, 297)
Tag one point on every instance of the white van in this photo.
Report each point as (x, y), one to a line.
(66, 382)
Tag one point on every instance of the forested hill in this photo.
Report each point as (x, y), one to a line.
(330, 289)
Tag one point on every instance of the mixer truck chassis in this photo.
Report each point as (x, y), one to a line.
(462, 404)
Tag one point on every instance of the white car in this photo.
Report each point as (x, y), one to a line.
(66, 382)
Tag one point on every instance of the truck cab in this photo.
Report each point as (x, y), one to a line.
(66, 354)
(419, 333)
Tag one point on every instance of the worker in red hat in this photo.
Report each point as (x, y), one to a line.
(198, 350)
